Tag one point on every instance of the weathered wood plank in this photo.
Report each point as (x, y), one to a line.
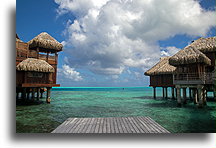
(93, 125)
(132, 130)
(75, 126)
(110, 125)
(97, 125)
(137, 125)
(162, 129)
(86, 126)
(149, 127)
(128, 129)
(119, 125)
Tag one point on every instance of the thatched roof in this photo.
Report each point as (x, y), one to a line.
(205, 44)
(32, 64)
(18, 39)
(189, 55)
(162, 67)
(44, 40)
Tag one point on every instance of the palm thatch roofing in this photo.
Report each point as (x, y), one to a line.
(44, 40)
(162, 67)
(189, 55)
(37, 65)
(18, 39)
(205, 44)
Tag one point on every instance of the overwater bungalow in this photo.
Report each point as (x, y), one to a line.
(36, 65)
(195, 69)
(161, 75)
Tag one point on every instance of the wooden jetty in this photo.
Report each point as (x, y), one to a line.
(110, 125)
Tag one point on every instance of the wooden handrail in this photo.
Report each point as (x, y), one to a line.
(205, 77)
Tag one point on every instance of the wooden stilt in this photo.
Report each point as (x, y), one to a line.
(154, 89)
(214, 94)
(33, 94)
(178, 87)
(200, 95)
(184, 95)
(23, 95)
(28, 93)
(41, 96)
(166, 96)
(173, 92)
(48, 99)
(195, 95)
(176, 93)
(38, 93)
(204, 96)
(190, 93)
(163, 93)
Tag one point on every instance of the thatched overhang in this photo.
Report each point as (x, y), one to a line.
(189, 55)
(17, 38)
(45, 41)
(37, 65)
(161, 68)
(205, 44)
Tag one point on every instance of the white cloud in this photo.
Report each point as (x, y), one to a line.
(169, 51)
(70, 73)
(110, 35)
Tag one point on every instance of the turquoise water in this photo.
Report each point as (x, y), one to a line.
(114, 102)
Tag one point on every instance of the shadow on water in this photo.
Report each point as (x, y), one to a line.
(202, 120)
(186, 119)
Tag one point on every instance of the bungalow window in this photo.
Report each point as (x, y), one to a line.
(34, 74)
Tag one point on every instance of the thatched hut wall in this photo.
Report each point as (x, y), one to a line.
(161, 80)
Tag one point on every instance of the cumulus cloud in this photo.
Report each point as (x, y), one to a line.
(169, 51)
(108, 36)
(70, 73)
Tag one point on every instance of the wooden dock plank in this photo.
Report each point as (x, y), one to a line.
(110, 125)
(137, 124)
(93, 125)
(148, 125)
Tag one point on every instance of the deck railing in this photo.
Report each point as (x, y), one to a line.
(194, 78)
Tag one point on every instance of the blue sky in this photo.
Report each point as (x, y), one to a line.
(113, 42)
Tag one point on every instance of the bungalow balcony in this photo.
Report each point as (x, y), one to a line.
(194, 78)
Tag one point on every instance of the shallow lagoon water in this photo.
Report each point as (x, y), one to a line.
(114, 102)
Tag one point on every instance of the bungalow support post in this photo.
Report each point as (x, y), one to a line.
(178, 88)
(33, 94)
(166, 96)
(24, 94)
(163, 93)
(173, 92)
(38, 93)
(195, 95)
(48, 99)
(184, 95)
(200, 95)
(215, 91)
(190, 93)
(204, 96)
(154, 89)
